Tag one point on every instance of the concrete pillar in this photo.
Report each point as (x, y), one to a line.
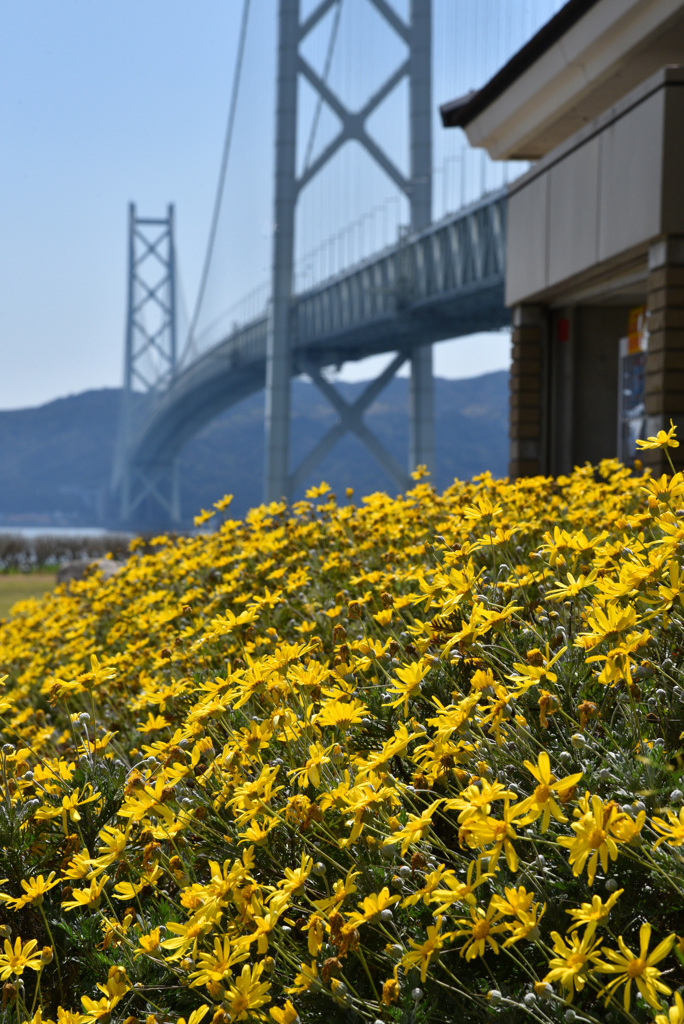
(528, 394)
(421, 410)
(665, 355)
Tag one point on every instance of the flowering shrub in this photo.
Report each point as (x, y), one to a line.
(417, 760)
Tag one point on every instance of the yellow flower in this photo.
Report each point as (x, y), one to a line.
(265, 925)
(423, 952)
(415, 828)
(81, 898)
(592, 840)
(640, 969)
(457, 891)
(286, 1015)
(203, 517)
(224, 502)
(597, 911)
(316, 930)
(295, 879)
(482, 510)
(98, 1011)
(671, 832)
(542, 803)
(675, 1014)
(410, 681)
(573, 963)
(391, 989)
(34, 890)
(526, 926)
(150, 943)
(248, 993)
(480, 930)
(118, 982)
(663, 439)
(341, 714)
(306, 978)
(214, 967)
(310, 773)
(372, 906)
(573, 587)
(14, 960)
(499, 833)
(68, 809)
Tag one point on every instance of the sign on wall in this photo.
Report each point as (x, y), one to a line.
(632, 385)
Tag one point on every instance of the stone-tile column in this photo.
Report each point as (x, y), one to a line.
(527, 440)
(665, 356)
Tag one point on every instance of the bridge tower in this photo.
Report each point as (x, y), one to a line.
(417, 35)
(147, 492)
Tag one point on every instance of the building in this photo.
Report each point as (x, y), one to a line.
(595, 228)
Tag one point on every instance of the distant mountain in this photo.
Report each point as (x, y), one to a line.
(55, 460)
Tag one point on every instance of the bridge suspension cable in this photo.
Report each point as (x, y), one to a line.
(222, 175)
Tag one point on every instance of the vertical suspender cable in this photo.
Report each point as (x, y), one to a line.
(222, 173)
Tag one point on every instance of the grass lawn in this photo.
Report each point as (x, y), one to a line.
(18, 586)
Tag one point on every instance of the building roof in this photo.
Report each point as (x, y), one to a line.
(460, 112)
(589, 56)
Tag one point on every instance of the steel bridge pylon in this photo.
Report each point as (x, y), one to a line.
(279, 481)
(145, 491)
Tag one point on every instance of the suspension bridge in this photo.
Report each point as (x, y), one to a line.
(439, 278)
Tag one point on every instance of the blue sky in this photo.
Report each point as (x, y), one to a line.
(103, 102)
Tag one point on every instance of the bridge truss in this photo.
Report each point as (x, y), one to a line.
(416, 34)
(149, 363)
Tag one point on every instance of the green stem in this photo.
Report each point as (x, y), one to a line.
(54, 950)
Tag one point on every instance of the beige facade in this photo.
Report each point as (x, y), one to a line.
(595, 229)
(593, 232)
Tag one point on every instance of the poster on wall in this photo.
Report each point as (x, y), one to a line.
(632, 385)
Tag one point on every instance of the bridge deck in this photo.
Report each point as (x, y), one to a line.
(444, 282)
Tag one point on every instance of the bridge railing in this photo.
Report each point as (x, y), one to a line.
(449, 256)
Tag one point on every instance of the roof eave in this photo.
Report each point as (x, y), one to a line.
(458, 113)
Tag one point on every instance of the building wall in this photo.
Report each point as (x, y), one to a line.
(600, 198)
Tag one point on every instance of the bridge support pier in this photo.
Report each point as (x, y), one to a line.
(350, 420)
(278, 341)
(421, 410)
(148, 495)
(416, 33)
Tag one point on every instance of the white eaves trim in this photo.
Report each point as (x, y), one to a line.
(609, 51)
